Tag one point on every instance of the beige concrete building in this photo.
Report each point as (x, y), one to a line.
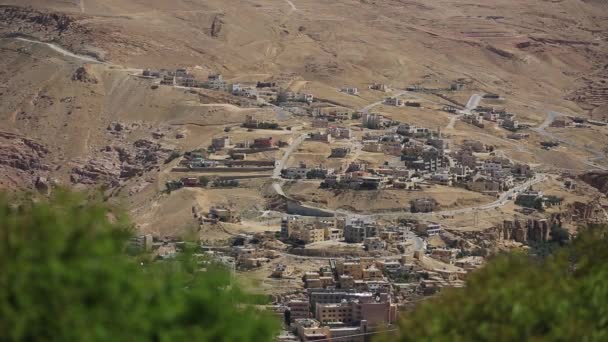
(376, 314)
(310, 330)
(299, 309)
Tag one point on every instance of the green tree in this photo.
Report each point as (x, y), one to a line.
(203, 180)
(64, 276)
(561, 297)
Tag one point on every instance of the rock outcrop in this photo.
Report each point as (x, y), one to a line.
(82, 75)
(36, 19)
(597, 179)
(22, 160)
(216, 26)
(120, 163)
(523, 231)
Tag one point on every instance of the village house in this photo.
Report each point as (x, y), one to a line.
(372, 121)
(374, 313)
(466, 158)
(474, 119)
(200, 162)
(457, 86)
(429, 229)
(333, 113)
(339, 132)
(220, 142)
(372, 182)
(530, 199)
(299, 309)
(520, 170)
(424, 205)
(379, 86)
(239, 89)
(413, 131)
(496, 167)
(518, 136)
(484, 185)
(296, 172)
(310, 330)
(560, 122)
(393, 101)
(442, 178)
(251, 122)
(320, 136)
(427, 159)
(310, 230)
(447, 255)
(372, 146)
(438, 143)
(263, 142)
(510, 124)
(299, 97)
(223, 214)
(216, 81)
(357, 231)
(373, 244)
(350, 91)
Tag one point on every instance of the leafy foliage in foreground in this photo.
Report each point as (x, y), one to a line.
(561, 297)
(64, 276)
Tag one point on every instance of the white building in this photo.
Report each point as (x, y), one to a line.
(296, 172)
(350, 91)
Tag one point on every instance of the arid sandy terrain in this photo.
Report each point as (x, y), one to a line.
(90, 124)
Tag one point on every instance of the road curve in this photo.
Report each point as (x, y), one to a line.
(63, 51)
(471, 104)
(292, 5)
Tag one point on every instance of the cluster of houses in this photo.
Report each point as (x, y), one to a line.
(260, 92)
(352, 297)
(499, 117)
(427, 158)
(397, 102)
(237, 153)
(376, 121)
(537, 200)
(181, 77)
(372, 235)
(254, 123)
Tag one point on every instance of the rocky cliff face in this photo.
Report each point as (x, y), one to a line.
(598, 180)
(523, 231)
(82, 75)
(27, 18)
(121, 161)
(22, 160)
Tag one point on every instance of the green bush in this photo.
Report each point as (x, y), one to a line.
(65, 277)
(560, 297)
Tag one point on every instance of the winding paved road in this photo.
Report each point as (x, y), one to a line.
(64, 52)
(502, 200)
(471, 105)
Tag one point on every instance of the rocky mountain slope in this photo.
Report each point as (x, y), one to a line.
(91, 120)
(598, 180)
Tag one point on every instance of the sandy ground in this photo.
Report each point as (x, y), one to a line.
(321, 47)
(381, 200)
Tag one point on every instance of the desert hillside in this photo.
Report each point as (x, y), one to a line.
(78, 112)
